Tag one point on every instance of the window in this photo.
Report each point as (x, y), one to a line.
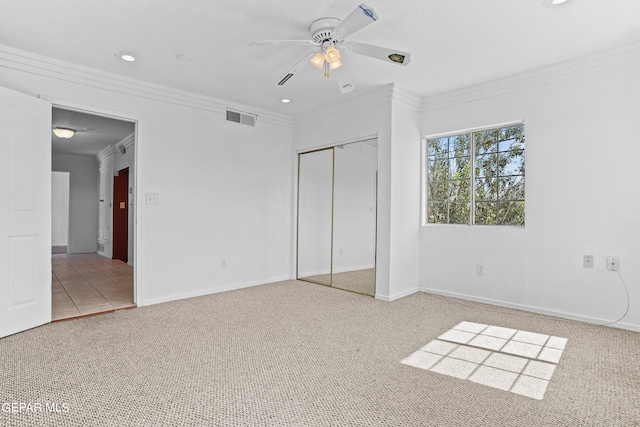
(476, 177)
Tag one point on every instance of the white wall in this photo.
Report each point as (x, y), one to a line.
(83, 197)
(405, 198)
(225, 190)
(59, 208)
(582, 193)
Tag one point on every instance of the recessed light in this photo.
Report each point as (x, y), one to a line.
(286, 100)
(184, 57)
(127, 56)
(551, 3)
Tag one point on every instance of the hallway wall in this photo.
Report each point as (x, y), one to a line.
(83, 197)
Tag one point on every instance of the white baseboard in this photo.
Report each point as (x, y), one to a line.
(561, 314)
(203, 292)
(397, 296)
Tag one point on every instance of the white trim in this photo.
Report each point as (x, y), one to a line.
(104, 153)
(532, 309)
(599, 61)
(176, 297)
(126, 142)
(407, 98)
(32, 63)
(397, 296)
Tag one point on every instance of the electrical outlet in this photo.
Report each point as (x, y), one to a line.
(479, 269)
(587, 261)
(152, 198)
(613, 263)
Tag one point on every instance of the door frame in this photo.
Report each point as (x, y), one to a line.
(139, 126)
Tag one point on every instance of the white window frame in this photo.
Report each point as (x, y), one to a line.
(424, 173)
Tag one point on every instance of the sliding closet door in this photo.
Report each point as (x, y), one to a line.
(315, 216)
(354, 217)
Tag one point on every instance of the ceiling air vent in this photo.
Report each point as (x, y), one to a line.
(242, 118)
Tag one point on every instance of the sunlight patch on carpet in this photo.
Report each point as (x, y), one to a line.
(507, 359)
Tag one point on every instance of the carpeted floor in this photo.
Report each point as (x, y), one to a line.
(299, 354)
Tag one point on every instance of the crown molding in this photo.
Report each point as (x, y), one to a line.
(126, 142)
(600, 61)
(407, 98)
(105, 153)
(40, 65)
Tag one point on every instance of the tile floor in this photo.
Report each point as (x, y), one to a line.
(83, 284)
(517, 361)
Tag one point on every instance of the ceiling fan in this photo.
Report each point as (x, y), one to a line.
(329, 35)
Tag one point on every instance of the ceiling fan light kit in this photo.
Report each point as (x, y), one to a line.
(329, 34)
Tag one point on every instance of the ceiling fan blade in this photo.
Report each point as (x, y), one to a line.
(293, 70)
(345, 82)
(382, 53)
(281, 42)
(358, 19)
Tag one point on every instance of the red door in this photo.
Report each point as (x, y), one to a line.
(121, 215)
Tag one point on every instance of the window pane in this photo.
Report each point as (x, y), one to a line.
(437, 213)
(514, 163)
(486, 166)
(511, 213)
(486, 213)
(460, 168)
(438, 191)
(459, 213)
(511, 188)
(459, 191)
(438, 169)
(507, 145)
(512, 132)
(486, 189)
(438, 147)
(460, 145)
(486, 142)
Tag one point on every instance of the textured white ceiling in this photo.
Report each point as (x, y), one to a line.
(454, 43)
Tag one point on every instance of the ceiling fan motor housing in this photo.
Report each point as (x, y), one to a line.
(322, 30)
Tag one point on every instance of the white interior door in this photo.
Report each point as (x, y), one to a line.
(25, 212)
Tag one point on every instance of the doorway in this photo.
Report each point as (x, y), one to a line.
(96, 273)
